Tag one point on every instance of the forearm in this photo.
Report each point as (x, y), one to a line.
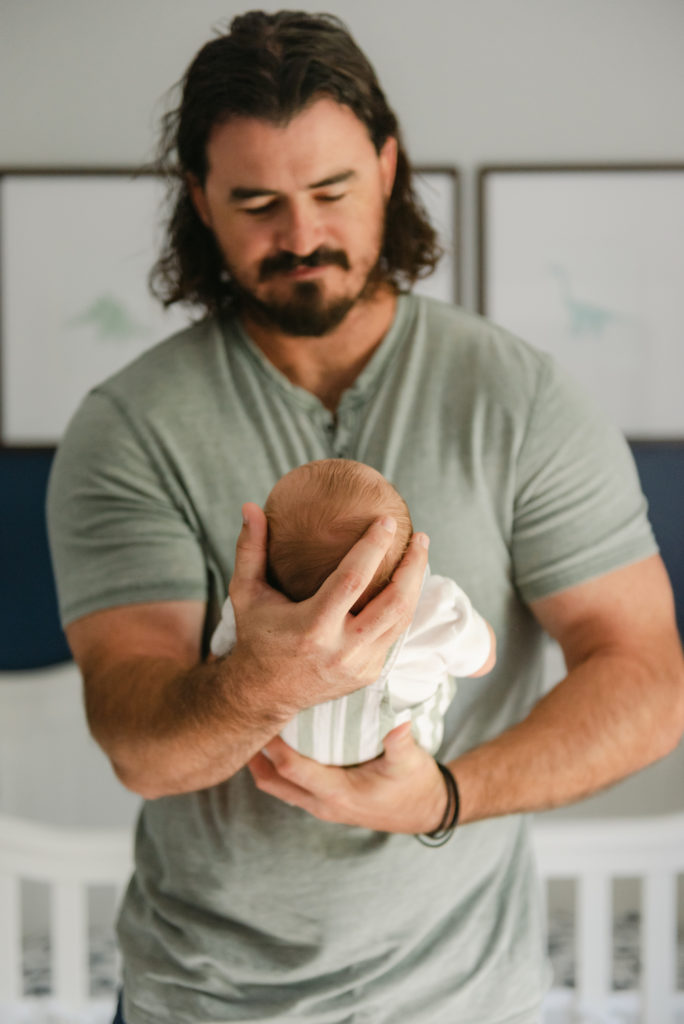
(169, 729)
(620, 707)
(609, 717)
(172, 725)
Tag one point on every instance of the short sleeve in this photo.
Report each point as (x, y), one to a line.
(120, 529)
(579, 509)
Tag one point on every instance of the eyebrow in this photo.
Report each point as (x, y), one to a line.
(240, 193)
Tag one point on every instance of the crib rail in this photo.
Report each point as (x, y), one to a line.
(593, 853)
(69, 860)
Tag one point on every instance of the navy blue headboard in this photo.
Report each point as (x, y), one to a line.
(661, 469)
(30, 634)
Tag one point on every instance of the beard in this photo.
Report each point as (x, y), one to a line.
(306, 312)
(305, 315)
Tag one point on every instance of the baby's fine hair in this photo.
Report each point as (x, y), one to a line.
(313, 521)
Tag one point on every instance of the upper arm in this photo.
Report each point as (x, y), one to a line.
(121, 527)
(630, 609)
(161, 629)
(578, 509)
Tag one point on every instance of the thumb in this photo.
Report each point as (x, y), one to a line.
(399, 743)
(251, 551)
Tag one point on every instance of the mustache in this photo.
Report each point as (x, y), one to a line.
(286, 261)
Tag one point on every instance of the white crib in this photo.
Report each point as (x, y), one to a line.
(69, 861)
(53, 778)
(592, 853)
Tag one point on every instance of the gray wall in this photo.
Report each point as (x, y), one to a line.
(474, 81)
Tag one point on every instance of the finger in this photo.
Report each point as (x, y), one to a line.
(268, 780)
(390, 611)
(251, 551)
(341, 590)
(280, 775)
(318, 780)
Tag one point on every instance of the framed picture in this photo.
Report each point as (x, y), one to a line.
(588, 263)
(76, 247)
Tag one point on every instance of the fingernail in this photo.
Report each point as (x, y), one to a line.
(389, 524)
(423, 540)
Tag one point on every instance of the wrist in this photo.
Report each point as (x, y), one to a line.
(450, 814)
(248, 691)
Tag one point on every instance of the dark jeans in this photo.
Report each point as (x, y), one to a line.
(119, 1014)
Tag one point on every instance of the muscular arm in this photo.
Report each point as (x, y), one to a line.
(620, 707)
(171, 724)
(168, 723)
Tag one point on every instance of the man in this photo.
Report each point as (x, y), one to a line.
(269, 887)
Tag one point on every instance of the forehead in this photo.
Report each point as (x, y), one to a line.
(325, 135)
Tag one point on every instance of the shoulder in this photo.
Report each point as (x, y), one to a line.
(163, 390)
(172, 360)
(478, 357)
(474, 341)
(443, 320)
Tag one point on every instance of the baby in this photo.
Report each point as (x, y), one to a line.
(315, 514)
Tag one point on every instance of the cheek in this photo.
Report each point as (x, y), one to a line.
(244, 244)
(359, 226)
(370, 215)
(365, 232)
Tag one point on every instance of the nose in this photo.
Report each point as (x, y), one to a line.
(299, 229)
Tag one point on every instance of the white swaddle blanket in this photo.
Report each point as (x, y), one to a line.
(446, 639)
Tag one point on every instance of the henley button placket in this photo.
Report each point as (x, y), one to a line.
(347, 418)
(328, 425)
(340, 438)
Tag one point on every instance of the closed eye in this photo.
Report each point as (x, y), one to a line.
(254, 211)
(272, 204)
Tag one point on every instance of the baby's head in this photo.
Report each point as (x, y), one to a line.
(317, 512)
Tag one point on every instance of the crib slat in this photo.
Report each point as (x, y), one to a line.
(659, 943)
(11, 981)
(594, 939)
(69, 942)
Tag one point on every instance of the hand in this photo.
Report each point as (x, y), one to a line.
(304, 653)
(400, 791)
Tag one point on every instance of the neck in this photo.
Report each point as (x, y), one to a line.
(328, 365)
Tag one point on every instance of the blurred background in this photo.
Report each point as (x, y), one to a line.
(475, 83)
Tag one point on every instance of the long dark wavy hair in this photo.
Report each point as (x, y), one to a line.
(271, 66)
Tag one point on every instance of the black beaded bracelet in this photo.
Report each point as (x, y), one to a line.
(444, 831)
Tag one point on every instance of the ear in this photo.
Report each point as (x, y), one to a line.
(199, 198)
(388, 164)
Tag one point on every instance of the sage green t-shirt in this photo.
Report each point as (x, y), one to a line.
(242, 908)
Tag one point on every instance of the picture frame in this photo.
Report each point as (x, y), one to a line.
(76, 248)
(587, 262)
